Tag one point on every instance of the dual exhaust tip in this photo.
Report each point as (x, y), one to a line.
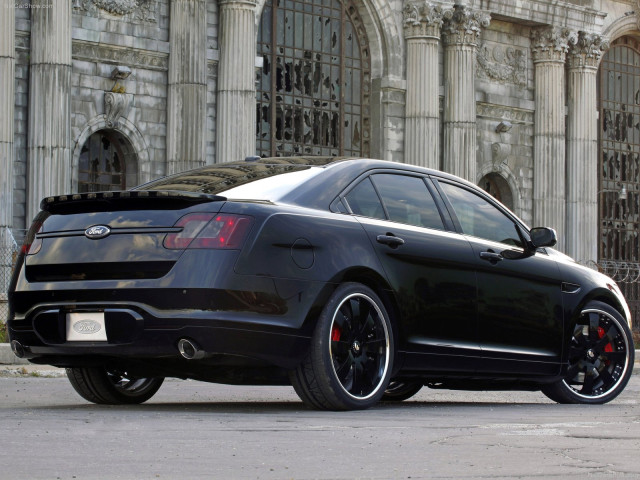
(190, 349)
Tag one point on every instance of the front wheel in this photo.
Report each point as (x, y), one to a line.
(601, 355)
(349, 362)
(111, 386)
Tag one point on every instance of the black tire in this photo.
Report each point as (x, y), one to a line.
(398, 391)
(350, 359)
(601, 355)
(112, 387)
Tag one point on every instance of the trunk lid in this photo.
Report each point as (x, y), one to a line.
(110, 235)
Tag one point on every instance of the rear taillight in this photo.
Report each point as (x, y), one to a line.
(31, 244)
(208, 230)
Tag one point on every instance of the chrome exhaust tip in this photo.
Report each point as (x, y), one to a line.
(190, 350)
(18, 349)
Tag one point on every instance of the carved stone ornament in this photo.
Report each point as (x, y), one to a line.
(502, 65)
(551, 43)
(134, 10)
(116, 106)
(463, 25)
(422, 19)
(587, 50)
(499, 152)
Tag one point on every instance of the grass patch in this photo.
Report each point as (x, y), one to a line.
(4, 336)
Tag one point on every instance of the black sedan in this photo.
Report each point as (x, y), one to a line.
(353, 280)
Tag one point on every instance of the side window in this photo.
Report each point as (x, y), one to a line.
(364, 200)
(408, 200)
(480, 218)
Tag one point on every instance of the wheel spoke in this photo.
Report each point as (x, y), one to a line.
(358, 379)
(343, 370)
(606, 378)
(355, 307)
(618, 357)
(594, 323)
(587, 386)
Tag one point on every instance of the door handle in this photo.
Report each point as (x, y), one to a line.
(390, 240)
(490, 256)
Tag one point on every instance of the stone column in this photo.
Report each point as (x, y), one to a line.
(461, 31)
(49, 143)
(422, 23)
(7, 101)
(550, 46)
(187, 96)
(581, 241)
(235, 123)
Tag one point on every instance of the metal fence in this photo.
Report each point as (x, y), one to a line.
(8, 254)
(627, 276)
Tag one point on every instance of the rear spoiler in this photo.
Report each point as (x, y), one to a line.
(125, 200)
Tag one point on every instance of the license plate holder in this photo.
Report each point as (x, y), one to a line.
(86, 327)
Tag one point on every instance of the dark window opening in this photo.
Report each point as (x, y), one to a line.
(313, 90)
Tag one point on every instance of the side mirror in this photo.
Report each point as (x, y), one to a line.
(543, 237)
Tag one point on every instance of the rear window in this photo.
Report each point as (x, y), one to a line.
(254, 181)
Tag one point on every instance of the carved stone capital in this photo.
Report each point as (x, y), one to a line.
(422, 19)
(550, 44)
(116, 106)
(587, 50)
(463, 25)
(133, 10)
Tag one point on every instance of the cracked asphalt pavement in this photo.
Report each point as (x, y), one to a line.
(193, 430)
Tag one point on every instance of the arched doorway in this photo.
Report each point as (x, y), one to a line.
(107, 162)
(619, 166)
(313, 90)
(498, 187)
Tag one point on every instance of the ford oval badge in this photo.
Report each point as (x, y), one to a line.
(87, 327)
(96, 232)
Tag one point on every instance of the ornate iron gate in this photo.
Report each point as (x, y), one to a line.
(619, 178)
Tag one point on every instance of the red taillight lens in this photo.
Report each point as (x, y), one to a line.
(32, 245)
(207, 230)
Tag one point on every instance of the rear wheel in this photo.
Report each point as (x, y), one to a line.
(397, 391)
(349, 363)
(600, 358)
(112, 386)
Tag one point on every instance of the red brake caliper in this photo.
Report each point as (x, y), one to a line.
(608, 347)
(336, 333)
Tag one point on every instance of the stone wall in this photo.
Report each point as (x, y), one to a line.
(103, 41)
(504, 93)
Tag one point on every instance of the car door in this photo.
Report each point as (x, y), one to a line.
(520, 314)
(429, 267)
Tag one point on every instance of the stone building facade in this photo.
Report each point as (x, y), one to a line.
(536, 101)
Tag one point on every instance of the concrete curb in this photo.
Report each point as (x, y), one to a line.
(7, 357)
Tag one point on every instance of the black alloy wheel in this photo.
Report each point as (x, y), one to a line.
(350, 360)
(601, 355)
(112, 386)
(398, 390)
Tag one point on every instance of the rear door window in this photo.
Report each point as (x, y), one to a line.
(408, 200)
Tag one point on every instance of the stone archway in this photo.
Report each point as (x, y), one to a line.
(107, 162)
(129, 140)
